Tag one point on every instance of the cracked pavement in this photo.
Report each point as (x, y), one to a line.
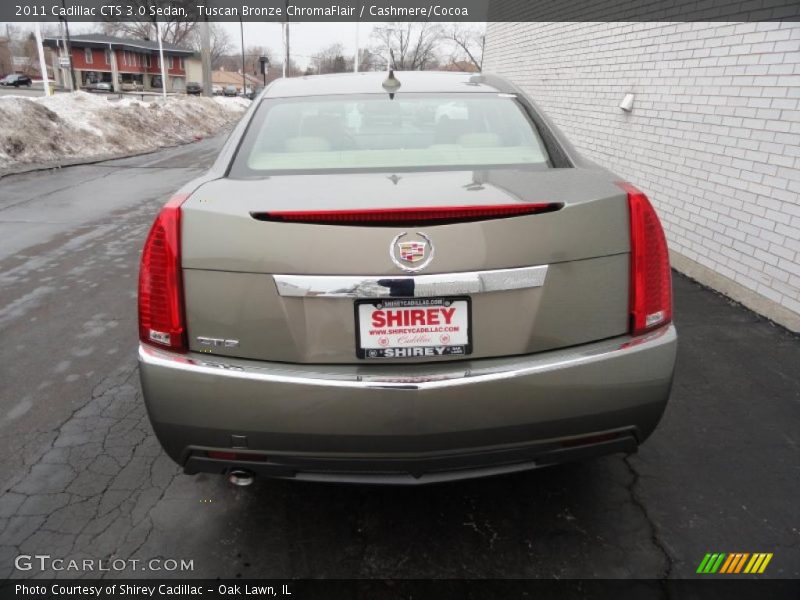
(83, 476)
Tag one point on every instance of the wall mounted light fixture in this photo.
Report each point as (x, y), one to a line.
(627, 103)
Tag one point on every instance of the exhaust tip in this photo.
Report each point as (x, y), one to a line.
(241, 478)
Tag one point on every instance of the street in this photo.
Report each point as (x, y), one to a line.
(34, 91)
(83, 475)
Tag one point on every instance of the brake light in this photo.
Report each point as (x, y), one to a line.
(387, 217)
(161, 314)
(650, 275)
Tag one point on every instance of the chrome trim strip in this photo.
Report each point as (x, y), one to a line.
(409, 286)
(395, 376)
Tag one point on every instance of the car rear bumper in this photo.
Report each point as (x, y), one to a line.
(408, 423)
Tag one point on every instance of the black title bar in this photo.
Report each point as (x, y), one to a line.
(350, 589)
(400, 10)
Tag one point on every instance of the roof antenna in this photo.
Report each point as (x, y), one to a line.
(391, 84)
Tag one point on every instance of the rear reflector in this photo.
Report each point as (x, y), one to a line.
(222, 455)
(161, 315)
(392, 217)
(651, 278)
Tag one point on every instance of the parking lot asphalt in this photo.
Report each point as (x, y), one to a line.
(83, 477)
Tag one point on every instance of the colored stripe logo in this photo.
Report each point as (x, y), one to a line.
(734, 563)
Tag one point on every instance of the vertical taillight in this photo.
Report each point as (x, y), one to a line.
(161, 314)
(651, 279)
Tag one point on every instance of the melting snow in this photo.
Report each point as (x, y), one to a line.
(83, 125)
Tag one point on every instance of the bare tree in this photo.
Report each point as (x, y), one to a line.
(220, 43)
(233, 63)
(409, 46)
(174, 31)
(9, 47)
(467, 42)
(228, 62)
(293, 69)
(6, 65)
(18, 50)
(332, 60)
(252, 60)
(370, 61)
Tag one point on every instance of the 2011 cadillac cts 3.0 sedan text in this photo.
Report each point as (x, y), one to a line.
(409, 278)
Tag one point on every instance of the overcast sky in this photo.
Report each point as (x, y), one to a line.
(305, 38)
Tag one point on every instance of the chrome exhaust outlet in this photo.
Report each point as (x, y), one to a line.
(241, 478)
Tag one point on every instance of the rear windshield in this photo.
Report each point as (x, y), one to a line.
(375, 132)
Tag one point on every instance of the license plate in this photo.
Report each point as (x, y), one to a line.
(413, 328)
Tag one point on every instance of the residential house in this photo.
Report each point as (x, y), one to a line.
(226, 78)
(194, 68)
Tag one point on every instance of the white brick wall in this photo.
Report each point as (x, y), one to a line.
(714, 136)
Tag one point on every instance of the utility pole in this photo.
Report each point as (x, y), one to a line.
(205, 56)
(244, 75)
(161, 60)
(42, 62)
(358, 50)
(116, 87)
(286, 60)
(483, 51)
(69, 50)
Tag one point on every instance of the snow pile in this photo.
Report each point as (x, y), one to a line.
(81, 125)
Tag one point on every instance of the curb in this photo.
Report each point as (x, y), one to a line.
(33, 167)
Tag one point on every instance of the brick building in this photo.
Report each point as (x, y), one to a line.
(126, 63)
(713, 135)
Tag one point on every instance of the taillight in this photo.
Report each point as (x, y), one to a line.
(161, 314)
(650, 275)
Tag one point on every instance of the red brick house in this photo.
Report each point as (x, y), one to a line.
(126, 63)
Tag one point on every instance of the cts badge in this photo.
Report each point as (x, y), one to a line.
(411, 252)
(209, 342)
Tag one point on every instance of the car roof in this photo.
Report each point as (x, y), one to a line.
(369, 82)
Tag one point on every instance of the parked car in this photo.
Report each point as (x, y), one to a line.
(131, 86)
(216, 90)
(339, 301)
(255, 92)
(99, 86)
(230, 90)
(194, 88)
(16, 80)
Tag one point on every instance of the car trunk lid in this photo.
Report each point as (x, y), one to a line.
(236, 254)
